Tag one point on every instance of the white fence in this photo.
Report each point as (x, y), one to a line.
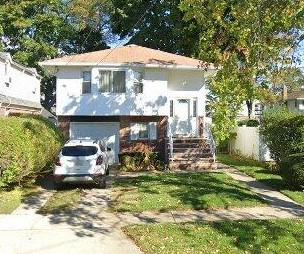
(248, 142)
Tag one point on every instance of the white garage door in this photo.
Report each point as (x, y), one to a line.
(108, 132)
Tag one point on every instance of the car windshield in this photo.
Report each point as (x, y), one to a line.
(79, 150)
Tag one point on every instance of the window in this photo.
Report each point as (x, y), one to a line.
(144, 131)
(171, 108)
(86, 82)
(112, 82)
(79, 150)
(138, 82)
(194, 108)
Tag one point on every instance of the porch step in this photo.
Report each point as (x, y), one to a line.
(190, 150)
(188, 140)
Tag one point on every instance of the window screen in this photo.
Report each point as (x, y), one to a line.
(86, 82)
(112, 82)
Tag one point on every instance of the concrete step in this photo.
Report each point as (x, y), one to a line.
(189, 140)
(191, 150)
(191, 159)
(192, 156)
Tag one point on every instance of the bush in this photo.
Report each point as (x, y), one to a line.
(249, 123)
(292, 171)
(28, 148)
(283, 132)
(140, 161)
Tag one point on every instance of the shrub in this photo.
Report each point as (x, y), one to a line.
(249, 123)
(28, 148)
(283, 132)
(292, 171)
(140, 161)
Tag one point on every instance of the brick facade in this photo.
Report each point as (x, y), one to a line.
(126, 144)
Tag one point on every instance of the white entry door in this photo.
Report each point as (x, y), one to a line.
(108, 132)
(182, 117)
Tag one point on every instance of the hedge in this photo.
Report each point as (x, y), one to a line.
(28, 148)
(141, 161)
(283, 132)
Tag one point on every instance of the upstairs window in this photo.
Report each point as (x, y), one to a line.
(86, 82)
(112, 82)
(138, 82)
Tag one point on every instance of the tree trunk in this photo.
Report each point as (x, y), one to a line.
(249, 108)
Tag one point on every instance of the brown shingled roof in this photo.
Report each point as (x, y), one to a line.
(126, 55)
(295, 95)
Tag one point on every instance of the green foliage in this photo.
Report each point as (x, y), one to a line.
(254, 43)
(156, 24)
(28, 148)
(283, 133)
(35, 30)
(140, 161)
(249, 123)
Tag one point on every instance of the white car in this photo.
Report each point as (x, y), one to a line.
(82, 161)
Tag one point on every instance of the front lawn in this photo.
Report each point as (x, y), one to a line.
(62, 202)
(258, 171)
(174, 191)
(252, 236)
(10, 200)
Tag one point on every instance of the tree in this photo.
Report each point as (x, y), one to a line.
(35, 30)
(249, 40)
(155, 24)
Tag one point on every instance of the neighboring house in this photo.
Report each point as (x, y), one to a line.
(257, 110)
(134, 97)
(295, 101)
(19, 88)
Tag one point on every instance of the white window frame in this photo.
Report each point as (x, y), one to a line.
(88, 82)
(112, 80)
(135, 128)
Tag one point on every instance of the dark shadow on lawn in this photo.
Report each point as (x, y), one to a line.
(190, 189)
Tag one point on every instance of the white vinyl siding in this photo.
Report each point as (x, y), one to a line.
(144, 131)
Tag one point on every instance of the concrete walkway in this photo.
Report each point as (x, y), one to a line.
(88, 229)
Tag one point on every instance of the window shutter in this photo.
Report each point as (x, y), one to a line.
(134, 131)
(153, 130)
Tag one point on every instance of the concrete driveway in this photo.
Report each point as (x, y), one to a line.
(88, 229)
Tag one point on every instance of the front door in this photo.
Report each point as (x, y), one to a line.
(182, 117)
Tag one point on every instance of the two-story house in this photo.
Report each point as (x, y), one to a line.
(134, 97)
(19, 88)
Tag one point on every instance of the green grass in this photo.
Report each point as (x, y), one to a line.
(165, 192)
(10, 200)
(258, 171)
(252, 236)
(62, 202)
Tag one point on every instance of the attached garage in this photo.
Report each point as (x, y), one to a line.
(108, 132)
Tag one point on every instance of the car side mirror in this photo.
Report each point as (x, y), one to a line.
(109, 149)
